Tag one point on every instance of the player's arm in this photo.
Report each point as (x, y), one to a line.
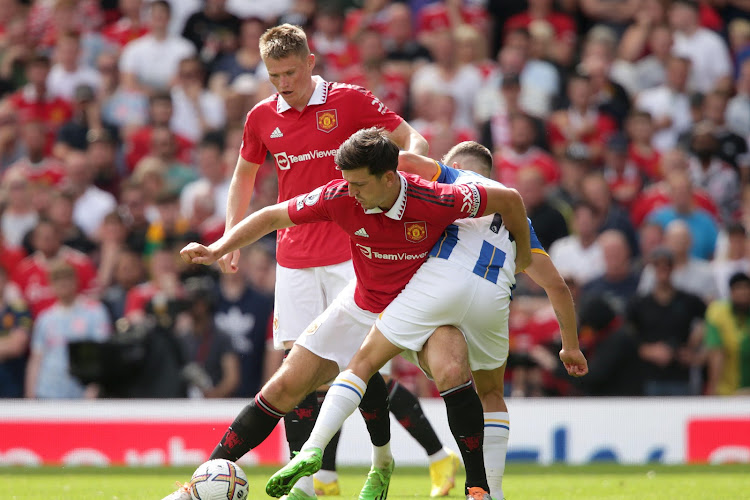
(545, 274)
(240, 193)
(409, 139)
(250, 230)
(413, 163)
(508, 203)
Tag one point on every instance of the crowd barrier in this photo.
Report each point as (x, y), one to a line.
(568, 430)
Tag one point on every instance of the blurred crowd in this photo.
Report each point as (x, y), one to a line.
(624, 124)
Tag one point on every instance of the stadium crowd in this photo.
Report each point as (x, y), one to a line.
(623, 124)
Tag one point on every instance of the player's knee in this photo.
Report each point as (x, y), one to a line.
(449, 372)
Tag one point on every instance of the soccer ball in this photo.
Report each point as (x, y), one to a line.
(218, 480)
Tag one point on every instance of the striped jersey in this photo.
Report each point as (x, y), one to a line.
(482, 245)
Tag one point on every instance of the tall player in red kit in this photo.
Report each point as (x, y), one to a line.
(392, 221)
(302, 126)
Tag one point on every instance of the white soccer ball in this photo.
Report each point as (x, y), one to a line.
(218, 479)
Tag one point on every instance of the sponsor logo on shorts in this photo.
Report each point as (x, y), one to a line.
(415, 231)
(284, 160)
(327, 120)
(398, 256)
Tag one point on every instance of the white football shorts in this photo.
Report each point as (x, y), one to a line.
(302, 294)
(444, 293)
(338, 332)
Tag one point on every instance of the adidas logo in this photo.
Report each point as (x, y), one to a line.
(361, 232)
(276, 133)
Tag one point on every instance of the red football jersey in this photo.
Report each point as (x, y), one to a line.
(32, 278)
(303, 145)
(388, 247)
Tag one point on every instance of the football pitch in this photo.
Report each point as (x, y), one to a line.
(522, 482)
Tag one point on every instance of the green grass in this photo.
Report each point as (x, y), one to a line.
(522, 482)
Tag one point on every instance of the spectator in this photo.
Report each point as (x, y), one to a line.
(15, 52)
(133, 207)
(105, 162)
(32, 273)
(129, 26)
(708, 171)
(91, 203)
(689, 274)
(128, 273)
(522, 152)
(328, 42)
(214, 178)
(449, 15)
(61, 214)
(607, 86)
(596, 191)
(727, 340)
(196, 110)
(667, 323)
(111, 238)
(170, 226)
(14, 341)
(162, 289)
(33, 101)
(738, 109)
(402, 50)
(150, 62)
(245, 313)
(668, 104)
(548, 221)
(121, 107)
(164, 148)
(11, 146)
(640, 130)
(706, 50)
(619, 283)
(573, 167)
(580, 255)
(68, 73)
(735, 261)
(542, 12)
(617, 15)
(38, 167)
(462, 82)
(732, 147)
(72, 318)
(19, 215)
(139, 144)
(623, 177)
(580, 121)
(212, 30)
(650, 71)
(702, 227)
(374, 15)
(73, 135)
(213, 367)
(243, 61)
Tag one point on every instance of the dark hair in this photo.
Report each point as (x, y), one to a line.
(161, 95)
(470, 149)
(164, 4)
(213, 139)
(368, 148)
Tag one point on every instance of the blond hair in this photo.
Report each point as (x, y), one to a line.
(284, 41)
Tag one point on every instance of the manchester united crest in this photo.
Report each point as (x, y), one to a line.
(327, 120)
(415, 231)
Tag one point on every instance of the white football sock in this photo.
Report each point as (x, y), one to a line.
(306, 484)
(381, 456)
(496, 432)
(326, 476)
(342, 399)
(438, 455)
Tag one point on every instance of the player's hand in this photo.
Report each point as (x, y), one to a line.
(230, 262)
(195, 253)
(574, 362)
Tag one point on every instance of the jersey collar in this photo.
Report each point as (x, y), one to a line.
(319, 95)
(396, 212)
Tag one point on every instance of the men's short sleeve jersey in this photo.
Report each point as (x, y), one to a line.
(303, 145)
(388, 247)
(483, 246)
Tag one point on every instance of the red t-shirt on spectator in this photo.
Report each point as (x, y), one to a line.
(508, 163)
(649, 165)
(139, 147)
(31, 276)
(123, 31)
(434, 17)
(657, 196)
(563, 24)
